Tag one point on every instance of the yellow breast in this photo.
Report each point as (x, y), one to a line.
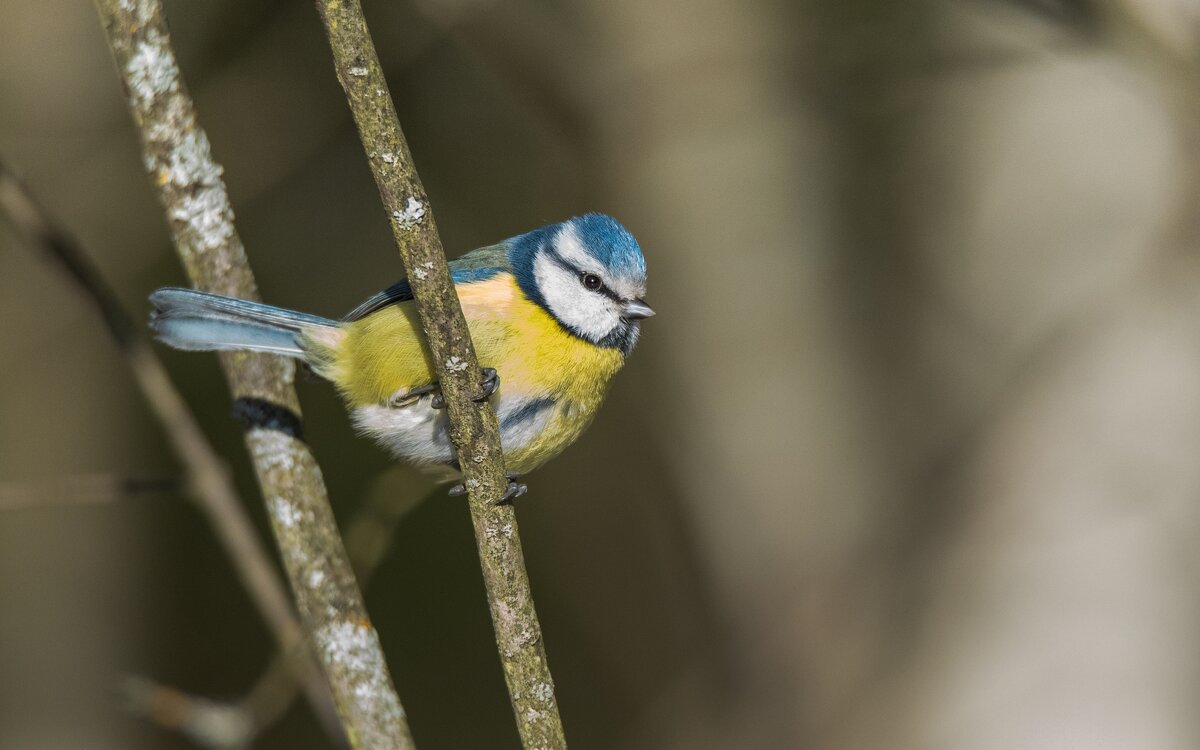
(535, 357)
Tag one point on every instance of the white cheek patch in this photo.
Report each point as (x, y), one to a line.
(591, 314)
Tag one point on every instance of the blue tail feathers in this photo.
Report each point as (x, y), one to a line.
(201, 321)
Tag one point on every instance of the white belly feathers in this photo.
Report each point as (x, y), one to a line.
(420, 434)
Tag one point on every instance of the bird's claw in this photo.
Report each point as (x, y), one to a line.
(491, 382)
(511, 492)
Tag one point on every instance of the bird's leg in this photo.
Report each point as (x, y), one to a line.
(406, 396)
(512, 492)
(491, 382)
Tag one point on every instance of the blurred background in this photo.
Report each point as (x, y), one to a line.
(908, 458)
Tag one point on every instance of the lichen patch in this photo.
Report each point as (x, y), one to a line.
(414, 211)
(151, 70)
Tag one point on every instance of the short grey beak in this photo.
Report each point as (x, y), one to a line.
(636, 310)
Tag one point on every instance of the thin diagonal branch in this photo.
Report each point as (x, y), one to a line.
(188, 181)
(473, 425)
(208, 481)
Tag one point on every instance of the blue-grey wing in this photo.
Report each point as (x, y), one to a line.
(476, 265)
(398, 292)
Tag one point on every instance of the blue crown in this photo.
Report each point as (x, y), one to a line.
(610, 243)
(602, 237)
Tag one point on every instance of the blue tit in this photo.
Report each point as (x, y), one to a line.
(554, 314)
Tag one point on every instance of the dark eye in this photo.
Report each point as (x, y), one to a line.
(592, 281)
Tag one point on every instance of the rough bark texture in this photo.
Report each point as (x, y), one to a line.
(178, 158)
(473, 425)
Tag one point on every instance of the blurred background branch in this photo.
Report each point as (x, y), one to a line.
(208, 482)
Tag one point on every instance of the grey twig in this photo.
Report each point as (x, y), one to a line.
(215, 724)
(188, 181)
(211, 724)
(82, 489)
(473, 425)
(207, 478)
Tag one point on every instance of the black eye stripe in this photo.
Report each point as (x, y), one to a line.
(561, 261)
(602, 289)
(579, 272)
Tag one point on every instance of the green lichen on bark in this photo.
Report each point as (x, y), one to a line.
(179, 161)
(473, 425)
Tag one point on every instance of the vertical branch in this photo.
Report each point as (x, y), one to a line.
(177, 156)
(472, 425)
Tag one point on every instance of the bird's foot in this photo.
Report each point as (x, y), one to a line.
(407, 397)
(514, 490)
(491, 383)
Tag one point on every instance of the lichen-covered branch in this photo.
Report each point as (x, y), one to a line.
(178, 158)
(473, 425)
(207, 481)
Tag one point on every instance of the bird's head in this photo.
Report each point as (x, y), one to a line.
(589, 274)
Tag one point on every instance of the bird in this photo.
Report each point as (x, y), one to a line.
(554, 314)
